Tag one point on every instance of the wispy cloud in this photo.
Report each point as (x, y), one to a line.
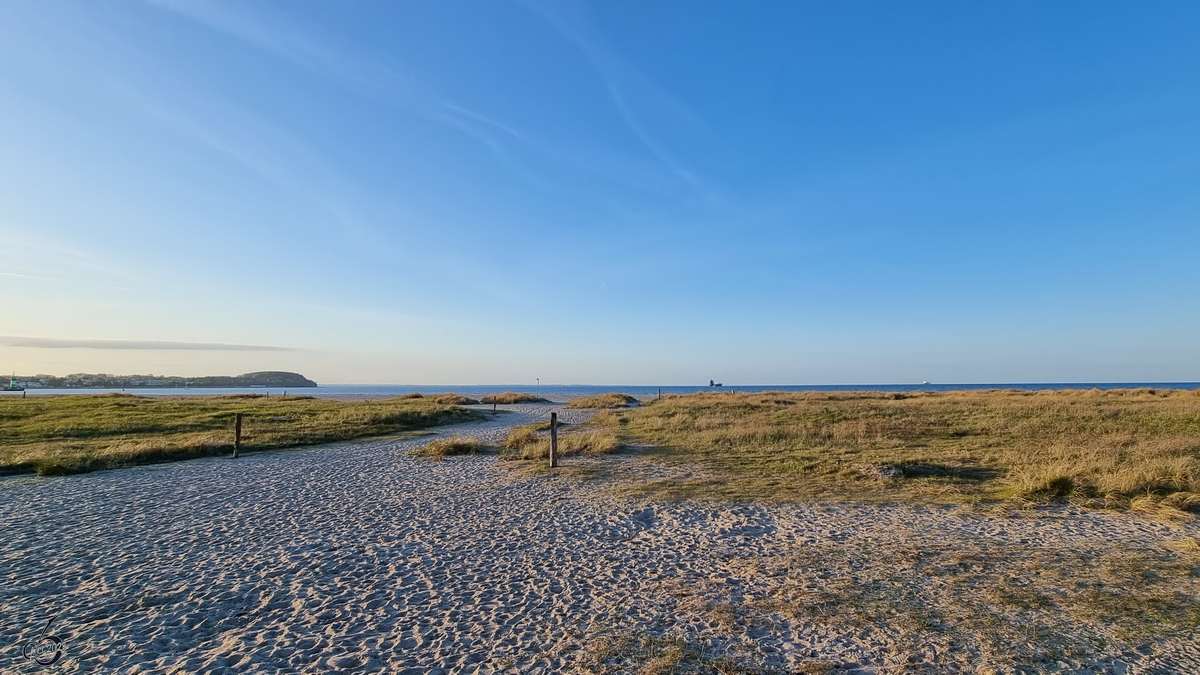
(648, 110)
(349, 67)
(270, 153)
(278, 34)
(25, 249)
(68, 343)
(346, 67)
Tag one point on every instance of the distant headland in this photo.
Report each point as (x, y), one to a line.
(266, 378)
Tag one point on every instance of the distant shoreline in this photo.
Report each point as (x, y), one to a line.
(167, 386)
(563, 393)
(263, 379)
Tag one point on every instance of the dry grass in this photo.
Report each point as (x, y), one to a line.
(922, 606)
(442, 448)
(963, 605)
(510, 397)
(612, 400)
(70, 434)
(454, 399)
(526, 443)
(1124, 448)
(519, 437)
(444, 399)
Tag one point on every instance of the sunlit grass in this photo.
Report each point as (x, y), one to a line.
(612, 400)
(510, 397)
(444, 399)
(442, 448)
(70, 434)
(525, 443)
(1137, 448)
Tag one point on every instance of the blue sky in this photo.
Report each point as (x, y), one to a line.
(608, 192)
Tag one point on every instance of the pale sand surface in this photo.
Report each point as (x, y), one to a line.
(353, 556)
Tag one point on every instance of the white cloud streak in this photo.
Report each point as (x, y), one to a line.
(344, 66)
(359, 74)
(636, 97)
(68, 343)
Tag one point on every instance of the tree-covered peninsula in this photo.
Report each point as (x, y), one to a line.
(266, 378)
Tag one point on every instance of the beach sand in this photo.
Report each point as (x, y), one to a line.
(356, 557)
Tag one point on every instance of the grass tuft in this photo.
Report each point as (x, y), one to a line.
(525, 443)
(519, 437)
(612, 400)
(454, 399)
(510, 397)
(442, 448)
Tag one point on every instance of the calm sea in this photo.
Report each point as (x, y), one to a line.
(568, 391)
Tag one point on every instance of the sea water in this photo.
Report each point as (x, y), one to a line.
(568, 391)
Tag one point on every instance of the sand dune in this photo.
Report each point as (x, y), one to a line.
(356, 557)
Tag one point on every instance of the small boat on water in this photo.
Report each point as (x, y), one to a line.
(12, 384)
(715, 384)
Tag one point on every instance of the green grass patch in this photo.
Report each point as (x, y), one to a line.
(1122, 448)
(70, 434)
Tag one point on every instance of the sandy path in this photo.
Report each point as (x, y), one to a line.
(353, 556)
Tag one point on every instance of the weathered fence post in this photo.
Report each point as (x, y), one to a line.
(553, 440)
(237, 434)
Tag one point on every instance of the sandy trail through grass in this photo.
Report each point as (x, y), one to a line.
(358, 556)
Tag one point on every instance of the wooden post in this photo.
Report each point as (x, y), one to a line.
(660, 392)
(237, 434)
(553, 440)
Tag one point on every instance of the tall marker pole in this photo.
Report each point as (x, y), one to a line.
(553, 440)
(237, 434)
